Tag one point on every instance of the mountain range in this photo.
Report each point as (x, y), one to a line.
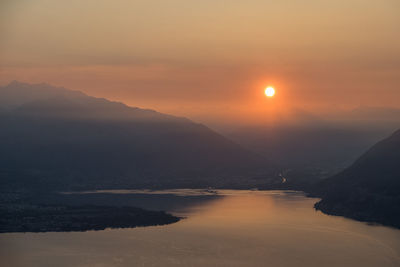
(55, 138)
(318, 145)
(368, 190)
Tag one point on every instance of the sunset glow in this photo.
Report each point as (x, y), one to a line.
(243, 133)
(191, 75)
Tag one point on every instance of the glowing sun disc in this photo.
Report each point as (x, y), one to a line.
(269, 91)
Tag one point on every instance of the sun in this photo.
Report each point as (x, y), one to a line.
(269, 91)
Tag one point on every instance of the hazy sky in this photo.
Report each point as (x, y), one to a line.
(209, 59)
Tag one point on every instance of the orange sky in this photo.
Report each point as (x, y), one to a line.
(209, 60)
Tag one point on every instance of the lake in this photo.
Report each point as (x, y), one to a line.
(221, 228)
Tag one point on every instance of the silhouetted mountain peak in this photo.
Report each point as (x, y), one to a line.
(17, 93)
(48, 101)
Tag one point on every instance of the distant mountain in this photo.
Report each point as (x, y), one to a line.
(17, 93)
(375, 113)
(44, 100)
(321, 148)
(311, 147)
(54, 138)
(368, 190)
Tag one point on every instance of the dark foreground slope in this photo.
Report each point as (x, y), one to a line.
(369, 190)
(57, 139)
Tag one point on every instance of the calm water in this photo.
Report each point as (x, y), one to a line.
(235, 228)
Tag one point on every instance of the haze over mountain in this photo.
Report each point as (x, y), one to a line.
(369, 113)
(321, 145)
(61, 139)
(369, 189)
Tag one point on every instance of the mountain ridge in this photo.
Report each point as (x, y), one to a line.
(76, 141)
(368, 190)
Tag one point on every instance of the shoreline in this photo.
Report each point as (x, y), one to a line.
(24, 218)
